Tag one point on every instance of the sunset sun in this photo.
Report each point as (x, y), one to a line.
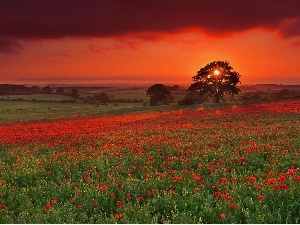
(216, 72)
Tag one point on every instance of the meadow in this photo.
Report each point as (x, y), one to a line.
(211, 163)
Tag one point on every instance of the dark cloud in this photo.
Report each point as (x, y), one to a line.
(10, 45)
(36, 19)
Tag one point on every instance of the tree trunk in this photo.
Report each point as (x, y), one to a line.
(217, 98)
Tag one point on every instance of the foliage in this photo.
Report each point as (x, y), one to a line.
(74, 93)
(158, 93)
(216, 79)
(224, 165)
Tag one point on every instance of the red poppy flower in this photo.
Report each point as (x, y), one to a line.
(260, 198)
(52, 201)
(233, 206)
(120, 204)
(223, 180)
(94, 204)
(48, 207)
(222, 216)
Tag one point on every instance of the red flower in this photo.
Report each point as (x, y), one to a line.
(2, 207)
(229, 197)
(140, 199)
(79, 207)
(52, 201)
(117, 217)
(128, 196)
(297, 179)
(222, 216)
(77, 192)
(48, 207)
(112, 194)
(120, 204)
(94, 204)
(260, 198)
(217, 193)
(233, 206)
(223, 180)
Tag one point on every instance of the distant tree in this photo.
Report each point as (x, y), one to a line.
(46, 90)
(74, 93)
(216, 79)
(102, 98)
(158, 93)
(60, 90)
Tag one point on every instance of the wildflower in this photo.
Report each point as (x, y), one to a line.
(120, 204)
(77, 192)
(229, 197)
(112, 194)
(196, 189)
(222, 216)
(72, 200)
(128, 196)
(233, 206)
(48, 207)
(79, 207)
(260, 198)
(233, 179)
(140, 199)
(94, 204)
(52, 201)
(223, 180)
(117, 217)
(172, 192)
(217, 193)
(297, 179)
(2, 207)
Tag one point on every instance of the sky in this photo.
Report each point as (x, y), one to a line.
(148, 41)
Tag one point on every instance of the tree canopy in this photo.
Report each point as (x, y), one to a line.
(158, 93)
(216, 79)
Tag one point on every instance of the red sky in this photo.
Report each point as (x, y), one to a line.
(149, 41)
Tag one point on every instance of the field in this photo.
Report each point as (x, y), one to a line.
(213, 163)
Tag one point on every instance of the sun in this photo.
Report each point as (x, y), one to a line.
(216, 72)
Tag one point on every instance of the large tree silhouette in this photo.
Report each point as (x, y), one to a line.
(158, 93)
(216, 79)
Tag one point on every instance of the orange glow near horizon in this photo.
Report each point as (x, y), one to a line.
(259, 56)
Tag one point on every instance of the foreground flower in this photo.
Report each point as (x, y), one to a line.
(260, 198)
(233, 206)
(94, 204)
(119, 216)
(222, 216)
(120, 204)
(48, 207)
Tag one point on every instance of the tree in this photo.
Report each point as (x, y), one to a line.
(158, 93)
(216, 79)
(74, 93)
(47, 89)
(60, 90)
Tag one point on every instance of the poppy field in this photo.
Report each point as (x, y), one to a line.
(236, 164)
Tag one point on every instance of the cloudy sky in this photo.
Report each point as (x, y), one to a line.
(149, 41)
